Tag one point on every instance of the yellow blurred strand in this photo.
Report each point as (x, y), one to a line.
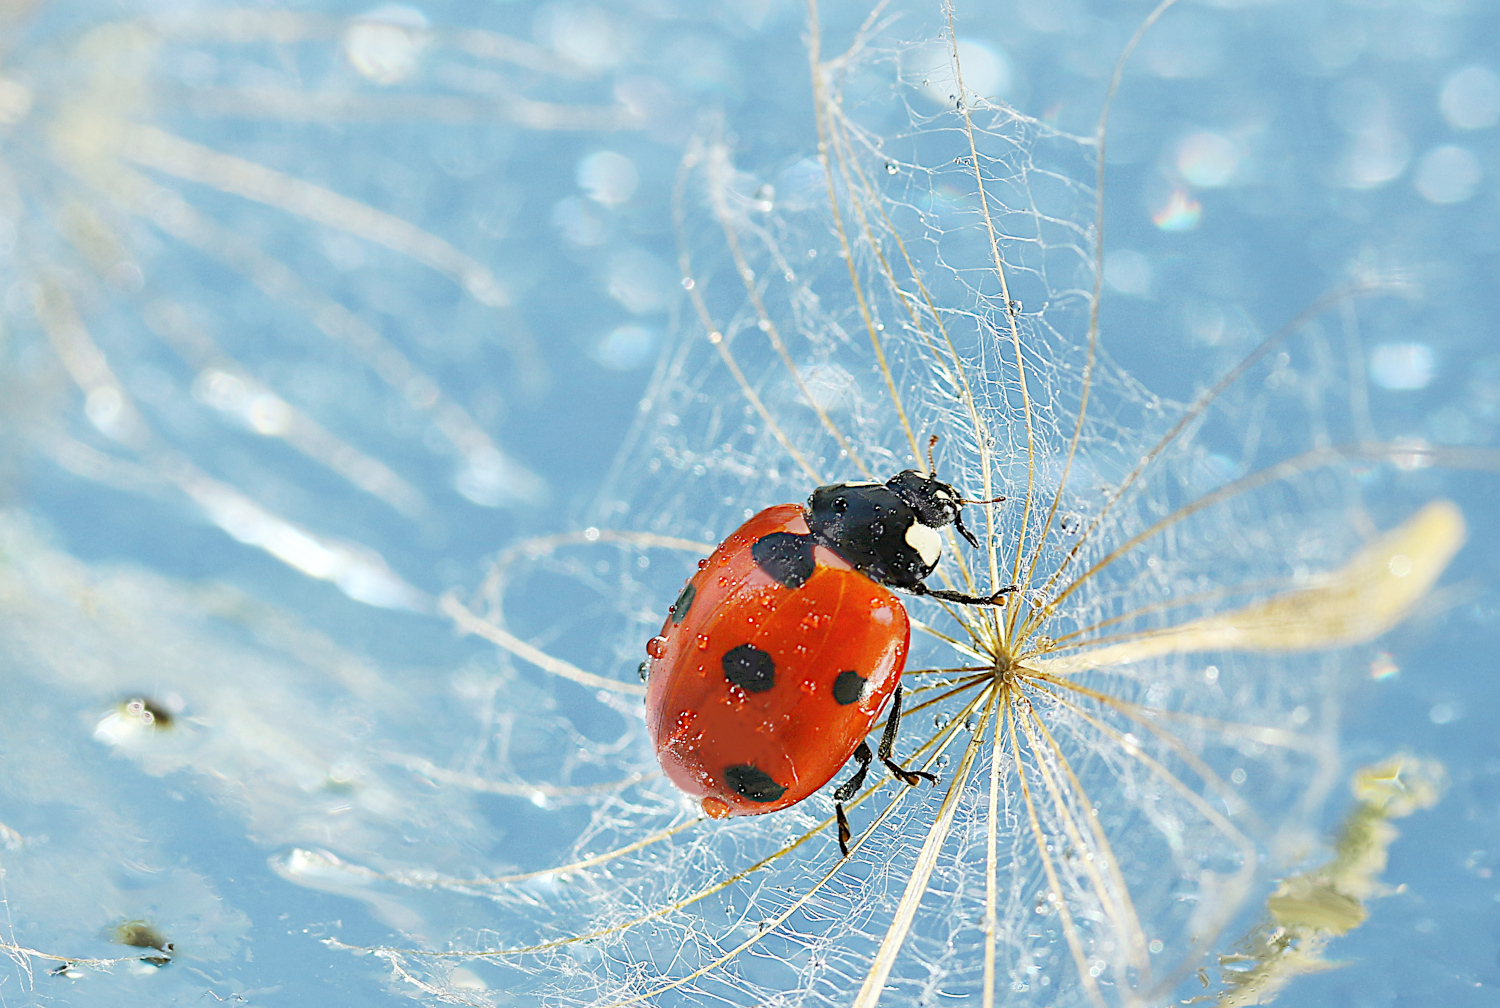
(153, 148)
(1070, 639)
(256, 405)
(287, 104)
(1312, 459)
(170, 212)
(1371, 593)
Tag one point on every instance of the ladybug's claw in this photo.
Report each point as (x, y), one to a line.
(910, 777)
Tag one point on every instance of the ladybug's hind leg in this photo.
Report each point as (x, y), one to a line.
(846, 791)
(887, 748)
(887, 753)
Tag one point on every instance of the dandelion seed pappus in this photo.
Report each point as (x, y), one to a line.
(1179, 368)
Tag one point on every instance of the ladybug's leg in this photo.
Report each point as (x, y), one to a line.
(952, 596)
(846, 791)
(887, 748)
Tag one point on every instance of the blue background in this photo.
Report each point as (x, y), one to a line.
(1341, 157)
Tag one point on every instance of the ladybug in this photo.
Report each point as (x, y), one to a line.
(782, 650)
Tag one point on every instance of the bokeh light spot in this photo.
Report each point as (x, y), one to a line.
(385, 45)
(1470, 98)
(1128, 272)
(608, 177)
(625, 347)
(1402, 366)
(1378, 154)
(987, 72)
(1447, 174)
(1207, 160)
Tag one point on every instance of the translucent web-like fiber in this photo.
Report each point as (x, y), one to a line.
(1123, 747)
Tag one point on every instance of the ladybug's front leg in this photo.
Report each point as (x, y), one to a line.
(846, 791)
(887, 748)
(998, 598)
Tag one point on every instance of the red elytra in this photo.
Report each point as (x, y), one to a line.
(758, 694)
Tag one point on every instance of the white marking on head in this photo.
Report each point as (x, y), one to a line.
(926, 541)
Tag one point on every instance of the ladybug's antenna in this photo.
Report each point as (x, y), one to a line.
(995, 500)
(931, 466)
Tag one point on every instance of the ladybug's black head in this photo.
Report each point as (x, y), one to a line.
(935, 502)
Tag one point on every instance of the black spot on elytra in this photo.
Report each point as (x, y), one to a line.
(684, 602)
(785, 556)
(753, 782)
(749, 668)
(848, 687)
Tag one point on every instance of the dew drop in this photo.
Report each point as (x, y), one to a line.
(703, 642)
(715, 808)
(656, 647)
